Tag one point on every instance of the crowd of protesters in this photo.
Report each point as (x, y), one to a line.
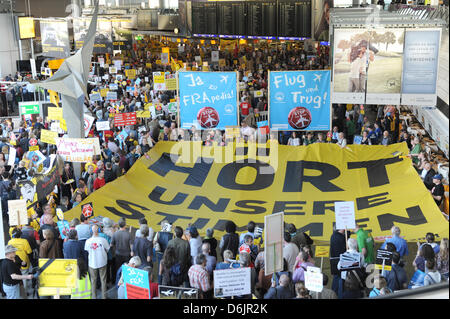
(182, 257)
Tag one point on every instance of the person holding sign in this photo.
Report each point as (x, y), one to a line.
(354, 277)
(11, 273)
(397, 279)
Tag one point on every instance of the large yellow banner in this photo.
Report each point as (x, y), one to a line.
(187, 183)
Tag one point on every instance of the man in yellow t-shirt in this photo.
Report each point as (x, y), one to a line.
(23, 251)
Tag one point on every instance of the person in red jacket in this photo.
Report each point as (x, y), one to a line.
(100, 180)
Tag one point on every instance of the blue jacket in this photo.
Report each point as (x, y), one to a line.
(72, 249)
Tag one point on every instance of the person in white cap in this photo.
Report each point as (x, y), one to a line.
(11, 274)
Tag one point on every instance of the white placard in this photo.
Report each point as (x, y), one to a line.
(77, 149)
(273, 243)
(313, 279)
(232, 282)
(214, 56)
(12, 156)
(345, 215)
(88, 121)
(102, 125)
(17, 210)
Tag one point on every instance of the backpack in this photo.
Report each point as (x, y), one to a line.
(353, 281)
(175, 275)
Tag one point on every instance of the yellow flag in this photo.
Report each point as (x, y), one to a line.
(54, 98)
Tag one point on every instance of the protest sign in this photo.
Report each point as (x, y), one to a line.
(112, 70)
(94, 97)
(17, 210)
(103, 92)
(170, 82)
(130, 73)
(102, 125)
(232, 282)
(273, 243)
(300, 100)
(322, 251)
(383, 260)
(136, 283)
(172, 107)
(60, 274)
(258, 93)
(144, 114)
(124, 119)
(87, 210)
(12, 156)
(313, 279)
(350, 260)
(55, 113)
(345, 215)
(159, 82)
(77, 149)
(305, 171)
(48, 136)
(113, 86)
(111, 96)
(63, 227)
(214, 56)
(88, 121)
(208, 99)
(168, 292)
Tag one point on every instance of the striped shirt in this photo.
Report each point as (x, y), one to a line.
(199, 278)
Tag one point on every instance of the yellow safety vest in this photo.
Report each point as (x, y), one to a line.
(83, 289)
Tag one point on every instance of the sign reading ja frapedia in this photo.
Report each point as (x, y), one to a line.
(208, 99)
(188, 183)
(137, 285)
(300, 100)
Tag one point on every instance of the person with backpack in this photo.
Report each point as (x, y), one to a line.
(170, 269)
(353, 279)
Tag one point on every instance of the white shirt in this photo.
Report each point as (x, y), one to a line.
(294, 141)
(424, 173)
(97, 248)
(342, 142)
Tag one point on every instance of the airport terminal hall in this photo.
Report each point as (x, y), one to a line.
(224, 154)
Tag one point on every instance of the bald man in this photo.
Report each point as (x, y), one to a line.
(282, 291)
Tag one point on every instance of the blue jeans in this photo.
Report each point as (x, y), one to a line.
(338, 285)
(12, 292)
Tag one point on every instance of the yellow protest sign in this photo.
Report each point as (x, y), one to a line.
(48, 136)
(222, 62)
(147, 106)
(61, 273)
(130, 73)
(148, 65)
(322, 251)
(33, 148)
(171, 84)
(103, 92)
(54, 98)
(158, 62)
(145, 114)
(55, 113)
(227, 183)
